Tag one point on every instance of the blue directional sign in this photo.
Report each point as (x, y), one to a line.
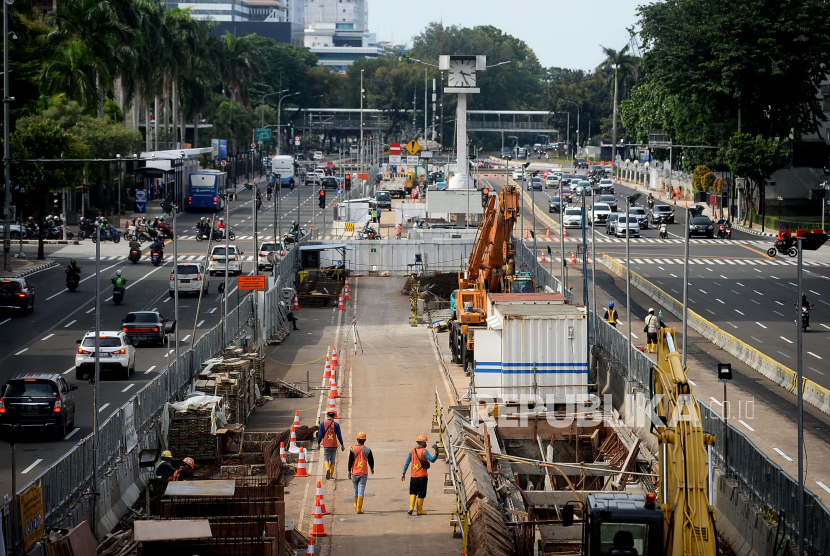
(340, 191)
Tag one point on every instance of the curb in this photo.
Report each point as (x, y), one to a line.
(753, 232)
(48, 242)
(38, 268)
(815, 395)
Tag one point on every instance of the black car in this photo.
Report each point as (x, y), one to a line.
(581, 163)
(16, 293)
(147, 326)
(536, 183)
(609, 200)
(660, 211)
(556, 205)
(329, 183)
(42, 400)
(701, 225)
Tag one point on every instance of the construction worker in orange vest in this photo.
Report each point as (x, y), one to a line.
(185, 471)
(420, 459)
(361, 461)
(328, 436)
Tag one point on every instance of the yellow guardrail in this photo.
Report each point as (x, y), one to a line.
(816, 395)
(461, 512)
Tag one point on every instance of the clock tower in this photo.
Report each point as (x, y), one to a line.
(463, 71)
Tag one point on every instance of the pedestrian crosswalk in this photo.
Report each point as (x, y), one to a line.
(237, 238)
(181, 259)
(669, 241)
(694, 262)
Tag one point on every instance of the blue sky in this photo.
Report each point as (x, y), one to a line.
(562, 33)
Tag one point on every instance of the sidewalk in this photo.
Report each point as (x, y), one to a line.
(24, 267)
(388, 390)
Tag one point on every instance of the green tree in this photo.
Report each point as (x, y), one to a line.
(697, 177)
(618, 61)
(38, 179)
(753, 158)
(72, 70)
(239, 65)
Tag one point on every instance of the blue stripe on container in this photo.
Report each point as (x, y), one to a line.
(530, 372)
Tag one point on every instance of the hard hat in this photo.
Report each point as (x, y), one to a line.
(651, 311)
(190, 462)
(118, 272)
(166, 454)
(361, 435)
(161, 217)
(422, 438)
(221, 219)
(72, 261)
(331, 413)
(611, 304)
(30, 218)
(203, 218)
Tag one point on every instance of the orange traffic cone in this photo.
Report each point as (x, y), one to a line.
(527, 234)
(328, 368)
(333, 407)
(322, 498)
(564, 232)
(310, 550)
(317, 530)
(292, 445)
(573, 257)
(346, 284)
(340, 303)
(547, 234)
(296, 419)
(282, 453)
(543, 258)
(301, 466)
(346, 294)
(334, 361)
(296, 303)
(333, 392)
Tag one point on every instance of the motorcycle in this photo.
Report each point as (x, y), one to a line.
(651, 203)
(783, 247)
(217, 235)
(805, 317)
(724, 232)
(117, 295)
(258, 203)
(165, 232)
(86, 229)
(664, 232)
(268, 195)
(72, 282)
(371, 234)
(156, 256)
(289, 238)
(111, 235)
(135, 256)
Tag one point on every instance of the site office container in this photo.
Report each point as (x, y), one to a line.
(534, 345)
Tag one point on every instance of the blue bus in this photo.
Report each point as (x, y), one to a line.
(205, 190)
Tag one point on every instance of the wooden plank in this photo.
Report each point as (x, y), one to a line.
(619, 482)
(518, 513)
(487, 450)
(201, 488)
(171, 529)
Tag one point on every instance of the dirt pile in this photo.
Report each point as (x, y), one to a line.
(435, 286)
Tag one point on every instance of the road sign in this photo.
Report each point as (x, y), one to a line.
(296, 137)
(394, 159)
(413, 147)
(340, 191)
(363, 176)
(251, 282)
(426, 154)
(395, 148)
(263, 134)
(297, 142)
(412, 160)
(350, 226)
(253, 146)
(223, 163)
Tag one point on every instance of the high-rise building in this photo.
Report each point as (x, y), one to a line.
(337, 31)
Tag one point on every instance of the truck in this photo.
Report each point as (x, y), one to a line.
(283, 166)
(395, 186)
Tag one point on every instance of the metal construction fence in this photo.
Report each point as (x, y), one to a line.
(529, 263)
(67, 483)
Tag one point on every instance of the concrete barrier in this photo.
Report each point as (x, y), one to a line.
(815, 395)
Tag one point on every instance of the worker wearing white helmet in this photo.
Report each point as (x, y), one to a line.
(651, 327)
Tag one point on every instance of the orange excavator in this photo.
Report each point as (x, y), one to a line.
(491, 269)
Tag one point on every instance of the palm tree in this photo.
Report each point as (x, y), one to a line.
(618, 60)
(240, 64)
(72, 71)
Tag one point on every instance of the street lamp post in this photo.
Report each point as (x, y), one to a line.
(279, 114)
(7, 239)
(262, 112)
(577, 121)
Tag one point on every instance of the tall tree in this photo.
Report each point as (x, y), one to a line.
(618, 61)
(755, 158)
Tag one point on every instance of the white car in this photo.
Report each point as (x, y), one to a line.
(606, 186)
(600, 213)
(318, 155)
(15, 230)
(191, 279)
(218, 260)
(630, 222)
(519, 174)
(573, 218)
(269, 253)
(116, 354)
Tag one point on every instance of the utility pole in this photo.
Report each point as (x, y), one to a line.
(7, 239)
(360, 144)
(426, 108)
(96, 392)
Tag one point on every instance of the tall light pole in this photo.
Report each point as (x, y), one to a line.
(262, 109)
(360, 143)
(577, 121)
(689, 214)
(279, 113)
(7, 239)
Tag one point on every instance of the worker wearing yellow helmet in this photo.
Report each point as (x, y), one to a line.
(361, 462)
(420, 459)
(164, 469)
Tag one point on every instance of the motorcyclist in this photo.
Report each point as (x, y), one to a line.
(294, 230)
(220, 225)
(31, 226)
(203, 227)
(269, 191)
(118, 281)
(367, 228)
(804, 303)
(134, 244)
(650, 200)
(73, 270)
(158, 246)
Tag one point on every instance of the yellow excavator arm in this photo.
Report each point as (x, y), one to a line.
(689, 518)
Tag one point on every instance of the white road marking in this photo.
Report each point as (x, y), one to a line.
(5, 321)
(69, 370)
(779, 303)
(692, 382)
(672, 275)
(149, 370)
(710, 312)
(21, 351)
(740, 313)
(756, 291)
(730, 324)
(720, 301)
(103, 407)
(185, 338)
(70, 324)
(701, 291)
(759, 324)
(714, 400)
(822, 485)
(744, 424)
(816, 370)
(37, 461)
(814, 355)
(54, 296)
(814, 292)
(633, 335)
(212, 311)
(785, 339)
(88, 312)
(47, 337)
(68, 436)
(740, 284)
(779, 314)
(825, 326)
(166, 299)
(774, 277)
(131, 385)
(200, 323)
(785, 355)
(783, 455)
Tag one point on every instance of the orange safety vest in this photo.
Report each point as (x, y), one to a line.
(360, 467)
(418, 469)
(329, 435)
(180, 472)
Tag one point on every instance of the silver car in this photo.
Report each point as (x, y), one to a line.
(629, 222)
(192, 279)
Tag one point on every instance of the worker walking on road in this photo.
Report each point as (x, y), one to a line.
(164, 469)
(652, 324)
(420, 459)
(328, 436)
(611, 315)
(361, 462)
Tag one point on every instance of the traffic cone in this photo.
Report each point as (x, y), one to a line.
(333, 392)
(296, 303)
(328, 368)
(346, 294)
(527, 234)
(322, 498)
(292, 445)
(573, 257)
(317, 530)
(334, 361)
(333, 407)
(340, 303)
(547, 234)
(310, 550)
(296, 419)
(282, 453)
(301, 466)
(346, 284)
(543, 258)
(564, 232)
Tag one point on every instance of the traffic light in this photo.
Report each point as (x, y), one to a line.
(348, 181)
(166, 206)
(321, 199)
(485, 195)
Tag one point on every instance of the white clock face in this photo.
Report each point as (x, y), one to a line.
(462, 73)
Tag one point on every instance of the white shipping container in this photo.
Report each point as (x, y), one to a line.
(533, 349)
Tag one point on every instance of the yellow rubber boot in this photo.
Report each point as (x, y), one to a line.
(360, 504)
(331, 470)
(411, 503)
(355, 502)
(421, 507)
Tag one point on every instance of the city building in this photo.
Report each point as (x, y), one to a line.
(337, 31)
